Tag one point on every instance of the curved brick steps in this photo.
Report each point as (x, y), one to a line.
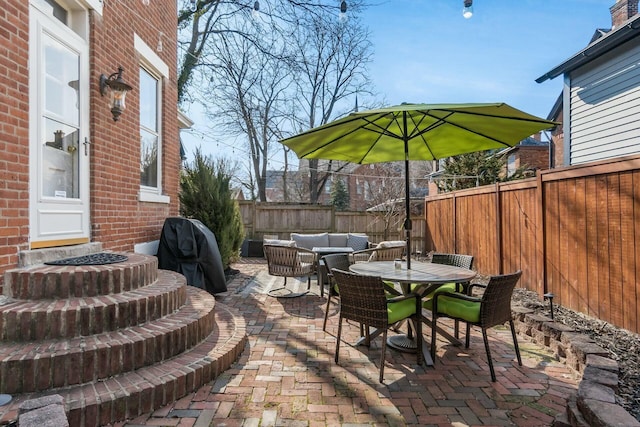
(114, 340)
(55, 282)
(28, 367)
(38, 320)
(131, 394)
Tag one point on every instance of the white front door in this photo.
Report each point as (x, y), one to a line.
(58, 117)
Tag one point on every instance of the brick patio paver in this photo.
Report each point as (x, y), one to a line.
(287, 377)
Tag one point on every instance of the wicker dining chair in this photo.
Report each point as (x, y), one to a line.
(290, 261)
(340, 262)
(457, 260)
(491, 309)
(363, 299)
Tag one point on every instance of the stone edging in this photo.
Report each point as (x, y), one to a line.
(595, 402)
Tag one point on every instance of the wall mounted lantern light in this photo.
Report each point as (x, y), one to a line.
(116, 89)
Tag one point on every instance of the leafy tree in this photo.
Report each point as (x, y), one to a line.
(339, 195)
(206, 195)
(474, 169)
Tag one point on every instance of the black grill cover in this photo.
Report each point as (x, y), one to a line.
(190, 248)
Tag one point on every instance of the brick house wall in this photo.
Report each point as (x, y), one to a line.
(535, 157)
(118, 219)
(14, 131)
(115, 161)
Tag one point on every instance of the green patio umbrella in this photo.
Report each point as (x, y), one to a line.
(416, 132)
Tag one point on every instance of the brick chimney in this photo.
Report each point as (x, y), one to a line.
(622, 11)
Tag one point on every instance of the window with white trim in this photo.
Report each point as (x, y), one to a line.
(152, 73)
(150, 136)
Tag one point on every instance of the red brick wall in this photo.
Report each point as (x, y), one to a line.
(118, 219)
(557, 142)
(14, 134)
(533, 157)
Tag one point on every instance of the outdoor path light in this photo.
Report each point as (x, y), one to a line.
(117, 90)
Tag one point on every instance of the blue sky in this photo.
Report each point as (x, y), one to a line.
(426, 52)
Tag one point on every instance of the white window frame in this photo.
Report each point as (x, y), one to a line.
(511, 165)
(155, 66)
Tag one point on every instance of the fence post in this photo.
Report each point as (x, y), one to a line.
(541, 253)
(454, 209)
(499, 230)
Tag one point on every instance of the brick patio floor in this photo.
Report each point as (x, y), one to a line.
(287, 377)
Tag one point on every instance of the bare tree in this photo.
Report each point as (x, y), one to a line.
(329, 63)
(383, 188)
(250, 90)
(249, 69)
(202, 23)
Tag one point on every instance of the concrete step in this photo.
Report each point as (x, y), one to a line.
(131, 394)
(38, 320)
(41, 365)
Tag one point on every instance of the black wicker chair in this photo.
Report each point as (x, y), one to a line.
(363, 299)
(457, 260)
(341, 262)
(491, 309)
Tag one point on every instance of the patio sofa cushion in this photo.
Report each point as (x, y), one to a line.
(357, 242)
(309, 241)
(338, 240)
(278, 242)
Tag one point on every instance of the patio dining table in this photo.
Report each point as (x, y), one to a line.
(429, 275)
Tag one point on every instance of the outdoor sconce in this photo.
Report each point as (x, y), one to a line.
(467, 11)
(117, 90)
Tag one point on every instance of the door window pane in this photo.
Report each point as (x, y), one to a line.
(61, 120)
(60, 155)
(61, 77)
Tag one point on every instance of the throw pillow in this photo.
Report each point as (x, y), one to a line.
(358, 242)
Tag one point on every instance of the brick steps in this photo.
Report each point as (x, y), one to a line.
(55, 282)
(114, 340)
(131, 394)
(38, 320)
(27, 367)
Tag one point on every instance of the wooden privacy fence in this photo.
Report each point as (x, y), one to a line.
(574, 232)
(261, 219)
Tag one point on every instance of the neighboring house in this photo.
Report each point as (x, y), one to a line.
(556, 142)
(601, 95)
(531, 153)
(71, 174)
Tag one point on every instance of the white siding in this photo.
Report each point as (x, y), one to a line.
(605, 106)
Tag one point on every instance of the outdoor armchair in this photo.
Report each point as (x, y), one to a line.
(385, 253)
(363, 299)
(290, 261)
(491, 309)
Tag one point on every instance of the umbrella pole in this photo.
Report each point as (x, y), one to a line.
(407, 196)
